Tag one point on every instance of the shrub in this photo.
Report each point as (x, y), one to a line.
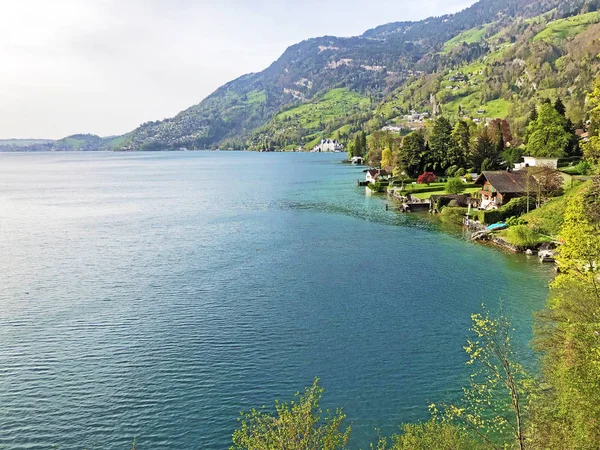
(455, 186)
(514, 208)
(583, 168)
(460, 172)
(451, 171)
(514, 221)
(426, 178)
(468, 178)
(522, 236)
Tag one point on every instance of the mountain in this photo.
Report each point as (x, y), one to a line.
(76, 142)
(507, 54)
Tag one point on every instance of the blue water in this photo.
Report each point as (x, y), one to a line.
(158, 295)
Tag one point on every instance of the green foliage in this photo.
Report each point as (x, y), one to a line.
(386, 158)
(584, 168)
(523, 236)
(410, 154)
(493, 405)
(440, 143)
(431, 435)
(579, 256)
(547, 136)
(298, 425)
(514, 221)
(549, 218)
(514, 208)
(566, 413)
(452, 214)
(484, 153)
(455, 186)
(559, 30)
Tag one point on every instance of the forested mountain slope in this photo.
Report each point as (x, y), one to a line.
(264, 110)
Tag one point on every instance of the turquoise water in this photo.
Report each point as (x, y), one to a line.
(158, 295)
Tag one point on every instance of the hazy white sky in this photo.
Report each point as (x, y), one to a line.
(105, 66)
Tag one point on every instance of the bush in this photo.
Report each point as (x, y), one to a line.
(583, 168)
(451, 171)
(522, 236)
(468, 178)
(455, 186)
(426, 178)
(514, 221)
(514, 208)
(453, 214)
(460, 172)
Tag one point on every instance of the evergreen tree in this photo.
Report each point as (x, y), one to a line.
(440, 143)
(411, 154)
(461, 141)
(560, 108)
(484, 152)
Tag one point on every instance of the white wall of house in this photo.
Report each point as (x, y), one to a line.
(530, 161)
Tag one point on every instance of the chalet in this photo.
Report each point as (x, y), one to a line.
(374, 175)
(500, 187)
(530, 161)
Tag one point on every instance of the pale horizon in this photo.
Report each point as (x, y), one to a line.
(104, 67)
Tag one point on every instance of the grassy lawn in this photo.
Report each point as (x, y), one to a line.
(334, 104)
(423, 191)
(468, 37)
(549, 218)
(523, 236)
(561, 29)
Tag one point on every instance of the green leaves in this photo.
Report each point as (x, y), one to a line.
(547, 136)
(297, 425)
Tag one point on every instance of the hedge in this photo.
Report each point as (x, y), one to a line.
(516, 207)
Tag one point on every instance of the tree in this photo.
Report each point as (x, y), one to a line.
(566, 414)
(460, 146)
(560, 108)
(499, 385)
(411, 153)
(547, 136)
(455, 186)
(440, 142)
(579, 257)
(548, 182)
(426, 178)
(432, 435)
(294, 426)
(386, 158)
(484, 150)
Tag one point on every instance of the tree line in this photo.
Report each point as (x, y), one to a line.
(465, 147)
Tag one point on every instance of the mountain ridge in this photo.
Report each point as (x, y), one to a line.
(249, 112)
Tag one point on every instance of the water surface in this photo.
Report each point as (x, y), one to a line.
(157, 295)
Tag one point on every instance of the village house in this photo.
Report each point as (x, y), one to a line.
(500, 187)
(328, 145)
(530, 161)
(374, 175)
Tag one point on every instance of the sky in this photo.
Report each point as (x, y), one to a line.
(106, 66)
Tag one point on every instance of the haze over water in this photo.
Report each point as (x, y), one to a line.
(158, 295)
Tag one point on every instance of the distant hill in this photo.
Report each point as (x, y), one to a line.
(494, 59)
(76, 142)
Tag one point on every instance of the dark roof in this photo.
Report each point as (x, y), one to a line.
(505, 182)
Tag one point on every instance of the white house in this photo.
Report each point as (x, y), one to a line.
(374, 175)
(530, 161)
(328, 145)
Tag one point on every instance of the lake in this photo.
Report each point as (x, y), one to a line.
(157, 295)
